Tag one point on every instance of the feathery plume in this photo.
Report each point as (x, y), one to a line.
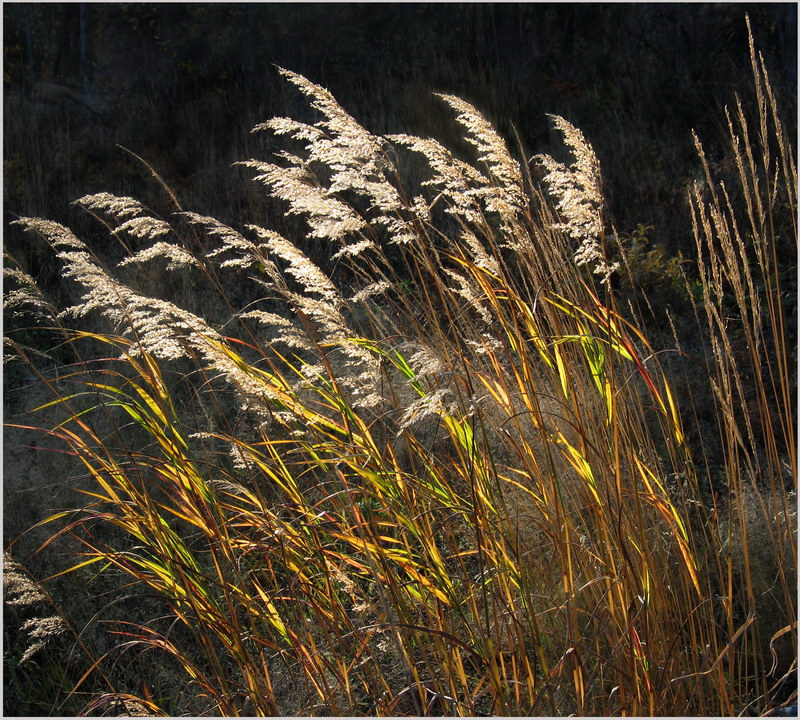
(577, 189)
(176, 256)
(432, 404)
(21, 591)
(40, 631)
(27, 297)
(146, 227)
(491, 147)
(327, 217)
(300, 267)
(18, 588)
(118, 207)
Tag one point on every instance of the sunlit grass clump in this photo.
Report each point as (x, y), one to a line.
(444, 473)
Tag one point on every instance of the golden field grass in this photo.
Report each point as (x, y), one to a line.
(444, 470)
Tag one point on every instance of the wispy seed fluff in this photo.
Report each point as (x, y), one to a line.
(145, 227)
(27, 297)
(577, 189)
(299, 267)
(355, 160)
(18, 587)
(491, 148)
(20, 590)
(458, 182)
(40, 631)
(176, 256)
(327, 217)
(159, 327)
(439, 402)
(121, 208)
(345, 145)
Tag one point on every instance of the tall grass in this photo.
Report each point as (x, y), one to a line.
(447, 473)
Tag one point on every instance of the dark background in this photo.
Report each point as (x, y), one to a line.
(182, 85)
